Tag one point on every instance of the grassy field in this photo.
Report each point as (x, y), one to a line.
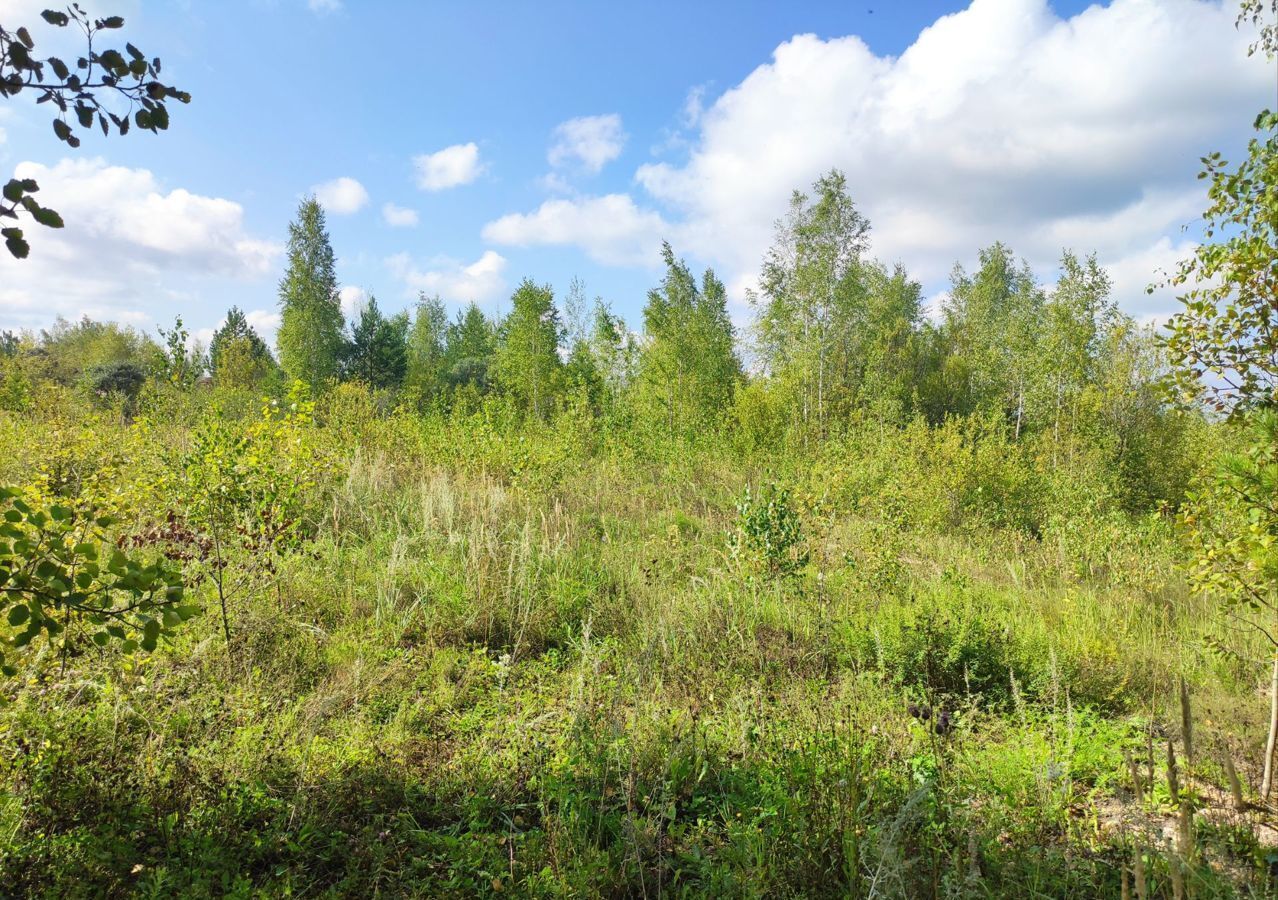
(553, 660)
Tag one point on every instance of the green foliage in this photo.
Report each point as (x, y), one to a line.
(310, 336)
(16, 387)
(688, 367)
(526, 362)
(62, 577)
(179, 364)
(77, 97)
(116, 380)
(769, 529)
(1232, 523)
(65, 352)
(425, 365)
(487, 637)
(238, 357)
(831, 325)
(241, 491)
(377, 354)
(1227, 332)
(468, 351)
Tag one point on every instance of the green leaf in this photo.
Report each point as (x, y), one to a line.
(13, 190)
(113, 60)
(59, 68)
(112, 22)
(59, 513)
(18, 247)
(18, 614)
(62, 130)
(53, 17)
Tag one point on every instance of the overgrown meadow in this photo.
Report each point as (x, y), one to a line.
(916, 608)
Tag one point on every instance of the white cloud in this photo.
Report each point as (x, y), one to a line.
(399, 216)
(451, 167)
(127, 246)
(341, 196)
(555, 183)
(265, 322)
(24, 12)
(1001, 122)
(590, 142)
(611, 229)
(323, 7)
(694, 105)
(353, 300)
(480, 281)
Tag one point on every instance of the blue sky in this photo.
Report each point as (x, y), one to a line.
(573, 137)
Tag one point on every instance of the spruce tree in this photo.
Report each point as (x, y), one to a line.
(378, 351)
(310, 337)
(236, 342)
(468, 350)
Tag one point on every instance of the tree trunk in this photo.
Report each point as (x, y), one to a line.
(1268, 780)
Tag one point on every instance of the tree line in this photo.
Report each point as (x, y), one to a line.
(837, 337)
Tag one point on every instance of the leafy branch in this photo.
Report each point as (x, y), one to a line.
(61, 576)
(78, 94)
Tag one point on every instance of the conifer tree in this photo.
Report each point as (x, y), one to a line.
(237, 354)
(377, 354)
(468, 350)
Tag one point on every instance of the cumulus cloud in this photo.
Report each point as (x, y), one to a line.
(451, 279)
(611, 229)
(587, 142)
(399, 216)
(353, 300)
(127, 244)
(341, 196)
(1001, 122)
(23, 12)
(265, 322)
(448, 168)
